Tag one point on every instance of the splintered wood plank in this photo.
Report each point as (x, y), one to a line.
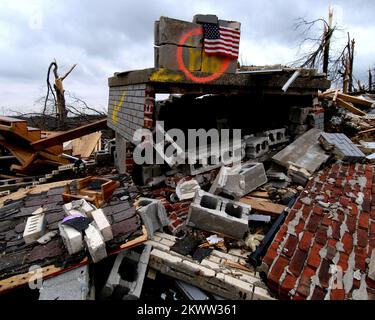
(349, 106)
(86, 145)
(354, 99)
(260, 194)
(262, 206)
(69, 135)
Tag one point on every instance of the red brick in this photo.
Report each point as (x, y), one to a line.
(366, 205)
(340, 215)
(321, 236)
(296, 265)
(351, 223)
(372, 229)
(332, 243)
(336, 230)
(373, 213)
(326, 221)
(318, 294)
(324, 273)
(370, 283)
(291, 216)
(297, 205)
(362, 237)
(276, 272)
(305, 241)
(347, 240)
(270, 257)
(287, 285)
(298, 297)
(306, 211)
(314, 257)
(313, 223)
(290, 245)
(281, 234)
(344, 201)
(299, 227)
(363, 221)
(338, 294)
(343, 261)
(360, 262)
(318, 210)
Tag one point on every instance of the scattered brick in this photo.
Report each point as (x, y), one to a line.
(287, 285)
(276, 272)
(337, 294)
(314, 257)
(318, 294)
(297, 263)
(362, 238)
(363, 221)
(290, 246)
(306, 240)
(321, 236)
(313, 223)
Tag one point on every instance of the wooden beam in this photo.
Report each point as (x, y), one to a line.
(353, 99)
(263, 206)
(348, 106)
(69, 135)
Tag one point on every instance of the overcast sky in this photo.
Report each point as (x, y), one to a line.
(109, 36)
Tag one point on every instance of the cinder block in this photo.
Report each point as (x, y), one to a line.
(218, 214)
(34, 228)
(256, 146)
(276, 136)
(70, 285)
(299, 115)
(153, 215)
(131, 282)
(243, 179)
(95, 243)
(82, 206)
(205, 18)
(71, 238)
(166, 57)
(102, 224)
(171, 31)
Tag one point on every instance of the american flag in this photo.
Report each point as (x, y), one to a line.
(221, 40)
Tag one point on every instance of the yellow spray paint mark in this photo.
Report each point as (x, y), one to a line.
(164, 75)
(117, 108)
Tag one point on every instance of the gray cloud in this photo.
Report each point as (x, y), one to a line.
(104, 37)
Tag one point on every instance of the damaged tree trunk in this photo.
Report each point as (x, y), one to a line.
(59, 89)
(327, 37)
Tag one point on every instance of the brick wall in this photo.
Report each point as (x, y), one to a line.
(323, 249)
(130, 108)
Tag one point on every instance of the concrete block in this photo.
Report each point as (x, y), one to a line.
(243, 179)
(205, 18)
(71, 285)
(121, 145)
(230, 24)
(81, 206)
(34, 228)
(149, 172)
(213, 64)
(153, 215)
(371, 266)
(256, 146)
(304, 152)
(276, 136)
(341, 146)
(103, 225)
(71, 238)
(172, 30)
(66, 167)
(218, 214)
(166, 57)
(95, 243)
(131, 280)
(299, 115)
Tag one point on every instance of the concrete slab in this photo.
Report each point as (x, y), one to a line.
(305, 151)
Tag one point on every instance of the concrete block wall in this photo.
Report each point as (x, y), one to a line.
(130, 108)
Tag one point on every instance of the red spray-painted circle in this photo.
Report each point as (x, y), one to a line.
(196, 32)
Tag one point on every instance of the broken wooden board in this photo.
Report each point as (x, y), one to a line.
(349, 106)
(69, 135)
(85, 146)
(211, 274)
(263, 206)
